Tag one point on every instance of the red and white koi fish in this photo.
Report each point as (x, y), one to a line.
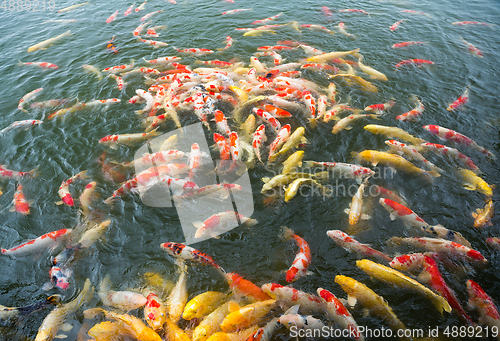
(154, 43)
(353, 11)
(259, 137)
(137, 32)
(124, 300)
(194, 160)
(413, 114)
(20, 204)
(63, 191)
(26, 124)
(185, 252)
(267, 20)
(414, 12)
(343, 170)
(341, 27)
(383, 192)
(417, 62)
(282, 137)
(43, 65)
(268, 118)
(235, 147)
(396, 25)
(302, 259)
(493, 242)
(315, 27)
(236, 11)
(461, 100)
(403, 149)
(288, 296)
(29, 96)
(219, 223)
(406, 43)
(113, 141)
(151, 32)
(274, 48)
(380, 108)
(149, 15)
(445, 247)
(482, 302)
(221, 122)
(451, 135)
(243, 287)
(120, 68)
(217, 190)
(410, 262)
(51, 103)
(308, 323)
(224, 148)
(453, 154)
(410, 218)
(141, 6)
(432, 276)
(162, 157)
(97, 102)
(163, 60)
(229, 43)
(155, 312)
(462, 23)
(310, 103)
(112, 17)
(350, 244)
(195, 52)
(278, 112)
(59, 277)
(339, 313)
(129, 10)
(47, 241)
(120, 83)
(173, 2)
(7, 174)
(311, 51)
(326, 11)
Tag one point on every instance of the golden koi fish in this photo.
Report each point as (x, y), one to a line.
(472, 182)
(322, 58)
(394, 133)
(46, 43)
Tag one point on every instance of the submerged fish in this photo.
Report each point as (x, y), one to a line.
(46, 43)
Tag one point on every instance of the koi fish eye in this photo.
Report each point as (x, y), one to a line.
(269, 75)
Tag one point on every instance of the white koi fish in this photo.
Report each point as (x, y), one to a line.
(29, 96)
(46, 43)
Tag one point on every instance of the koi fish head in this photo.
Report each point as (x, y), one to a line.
(60, 277)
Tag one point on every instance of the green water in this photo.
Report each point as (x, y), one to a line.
(131, 246)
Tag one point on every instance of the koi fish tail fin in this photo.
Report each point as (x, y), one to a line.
(286, 233)
(34, 172)
(428, 176)
(110, 201)
(356, 53)
(20, 63)
(434, 173)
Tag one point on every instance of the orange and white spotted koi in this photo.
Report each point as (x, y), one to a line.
(7, 174)
(282, 137)
(141, 6)
(453, 154)
(195, 52)
(163, 60)
(120, 83)
(229, 43)
(97, 102)
(219, 223)
(463, 99)
(396, 25)
(480, 300)
(463, 23)
(380, 108)
(278, 112)
(311, 51)
(137, 32)
(149, 15)
(315, 27)
(26, 124)
(119, 68)
(185, 252)
(302, 259)
(112, 17)
(63, 191)
(310, 102)
(413, 114)
(406, 43)
(29, 96)
(288, 296)
(403, 149)
(43, 65)
(277, 59)
(411, 261)
(259, 137)
(154, 43)
(235, 147)
(129, 10)
(20, 204)
(113, 141)
(343, 170)
(322, 103)
(350, 10)
(268, 118)
(417, 62)
(385, 193)
(224, 148)
(451, 135)
(410, 218)
(47, 241)
(194, 160)
(274, 48)
(236, 11)
(221, 123)
(267, 20)
(341, 27)
(350, 244)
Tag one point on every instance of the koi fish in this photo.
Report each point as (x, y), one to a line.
(316, 27)
(301, 322)
(211, 323)
(414, 12)
(92, 69)
(349, 10)
(236, 11)
(7, 174)
(326, 11)
(221, 122)
(462, 23)
(235, 147)
(67, 9)
(346, 121)
(124, 300)
(396, 278)
(154, 43)
(411, 218)
(10, 315)
(138, 30)
(247, 315)
(281, 138)
(403, 149)
(46, 43)
(229, 43)
(224, 148)
(287, 296)
(129, 10)
(111, 47)
(178, 297)
(463, 99)
(410, 262)
(434, 279)
(203, 304)
(112, 17)
(259, 137)
(295, 160)
(141, 6)
(453, 154)
(291, 190)
(20, 204)
(393, 132)
(374, 74)
(406, 43)
(29, 96)
(483, 217)
(357, 291)
(342, 170)
(47, 241)
(417, 62)
(380, 108)
(350, 244)
(268, 118)
(339, 313)
(63, 191)
(51, 103)
(446, 247)
(341, 27)
(364, 84)
(396, 25)
(120, 68)
(155, 312)
(163, 60)
(113, 141)
(86, 198)
(355, 212)
(302, 259)
(195, 52)
(267, 20)
(451, 135)
(219, 223)
(243, 287)
(43, 65)
(493, 242)
(482, 302)
(149, 15)
(26, 124)
(185, 252)
(383, 192)
(472, 182)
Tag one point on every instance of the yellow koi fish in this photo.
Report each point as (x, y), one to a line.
(483, 217)
(202, 304)
(472, 182)
(291, 190)
(394, 133)
(294, 160)
(374, 74)
(46, 43)
(246, 316)
(323, 58)
(211, 323)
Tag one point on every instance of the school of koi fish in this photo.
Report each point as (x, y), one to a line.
(258, 111)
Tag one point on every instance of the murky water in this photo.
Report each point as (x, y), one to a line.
(62, 148)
